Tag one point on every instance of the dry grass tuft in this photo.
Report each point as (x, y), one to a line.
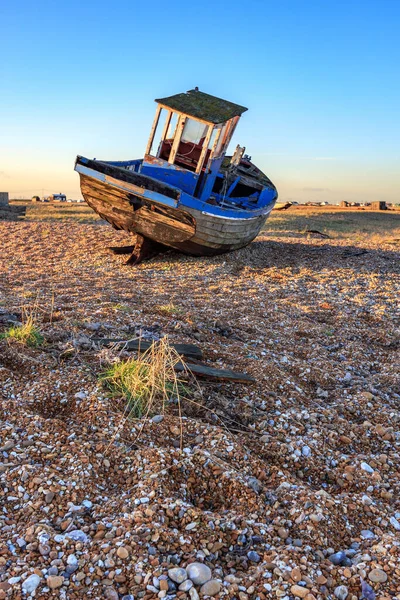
(27, 333)
(148, 382)
(170, 309)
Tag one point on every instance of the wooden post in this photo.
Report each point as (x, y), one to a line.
(177, 140)
(229, 133)
(164, 132)
(215, 144)
(204, 149)
(153, 129)
(166, 125)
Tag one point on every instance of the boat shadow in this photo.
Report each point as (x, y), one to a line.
(264, 254)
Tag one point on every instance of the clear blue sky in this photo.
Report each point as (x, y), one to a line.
(321, 80)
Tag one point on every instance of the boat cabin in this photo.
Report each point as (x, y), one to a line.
(188, 140)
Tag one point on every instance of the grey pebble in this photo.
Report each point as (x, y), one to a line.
(253, 556)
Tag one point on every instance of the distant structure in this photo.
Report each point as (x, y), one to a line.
(380, 205)
(58, 197)
(4, 199)
(344, 204)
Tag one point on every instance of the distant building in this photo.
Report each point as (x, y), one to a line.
(380, 205)
(3, 198)
(58, 197)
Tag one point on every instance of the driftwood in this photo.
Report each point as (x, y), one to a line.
(284, 207)
(324, 235)
(349, 253)
(201, 370)
(121, 249)
(187, 350)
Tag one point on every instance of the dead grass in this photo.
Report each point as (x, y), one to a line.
(58, 211)
(357, 225)
(27, 333)
(147, 383)
(171, 309)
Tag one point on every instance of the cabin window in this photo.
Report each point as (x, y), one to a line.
(194, 131)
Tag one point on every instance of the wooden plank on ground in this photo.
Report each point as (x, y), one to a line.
(188, 350)
(201, 370)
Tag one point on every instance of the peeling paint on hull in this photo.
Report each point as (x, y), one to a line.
(185, 229)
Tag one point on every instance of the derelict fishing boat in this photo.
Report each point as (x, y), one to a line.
(185, 193)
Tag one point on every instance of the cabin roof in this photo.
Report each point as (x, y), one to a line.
(203, 106)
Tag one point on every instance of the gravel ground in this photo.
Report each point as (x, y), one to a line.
(287, 488)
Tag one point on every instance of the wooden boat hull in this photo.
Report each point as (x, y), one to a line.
(202, 235)
(132, 208)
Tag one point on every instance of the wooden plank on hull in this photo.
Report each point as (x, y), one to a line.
(160, 227)
(106, 190)
(239, 229)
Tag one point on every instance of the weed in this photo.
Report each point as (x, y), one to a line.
(27, 333)
(170, 309)
(148, 382)
(123, 308)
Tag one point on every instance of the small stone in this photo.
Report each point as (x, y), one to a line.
(177, 574)
(111, 594)
(199, 573)
(49, 497)
(298, 591)
(44, 549)
(157, 418)
(367, 591)
(367, 534)
(377, 576)
(186, 585)
(394, 523)
(92, 326)
(306, 451)
(77, 535)
(210, 588)
(72, 561)
(283, 533)
(30, 584)
(338, 558)
(255, 484)
(253, 556)
(193, 594)
(295, 574)
(7, 446)
(163, 583)
(341, 592)
(367, 468)
(122, 552)
(54, 581)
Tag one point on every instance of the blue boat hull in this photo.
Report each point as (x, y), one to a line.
(165, 214)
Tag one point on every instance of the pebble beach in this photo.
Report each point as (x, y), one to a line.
(285, 488)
